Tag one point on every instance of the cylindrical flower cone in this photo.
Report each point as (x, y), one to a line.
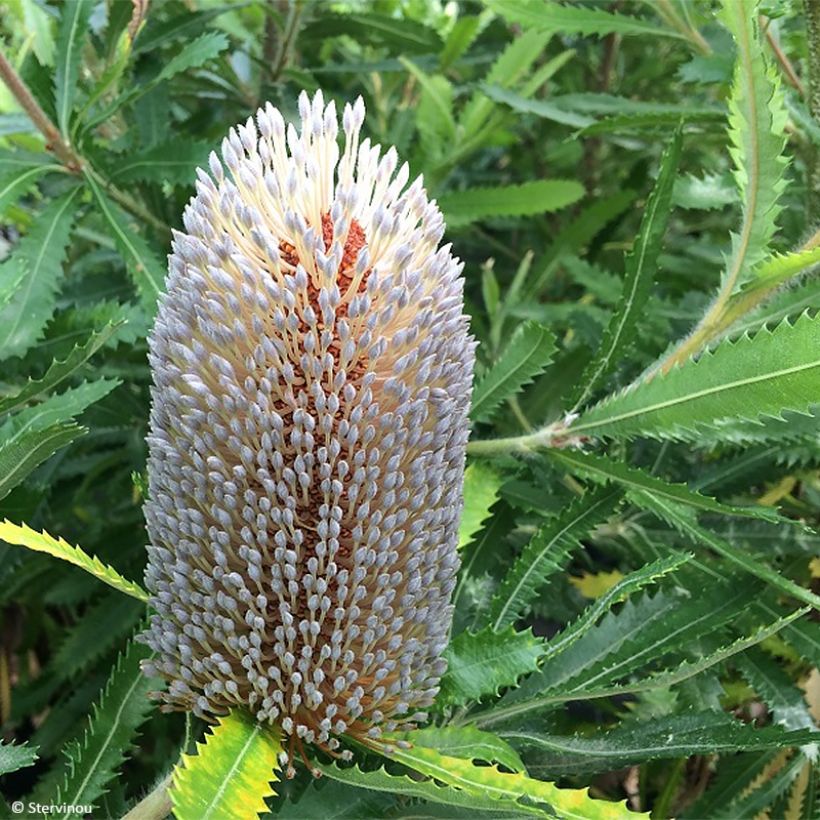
(312, 371)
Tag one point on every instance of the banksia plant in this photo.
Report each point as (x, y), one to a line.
(312, 371)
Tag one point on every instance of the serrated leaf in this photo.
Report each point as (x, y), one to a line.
(380, 780)
(740, 380)
(604, 470)
(641, 268)
(19, 170)
(59, 371)
(23, 536)
(482, 663)
(481, 485)
(24, 316)
(465, 742)
(94, 760)
(618, 593)
(32, 435)
(507, 790)
(193, 54)
(526, 356)
(400, 35)
(526, 199)
(678, 735)
(526, 699)
(571, 19)
(231, 774)
(437, 97)
(145, 268)
(776, 689)
(511, 66)
(757, 122)
(330, 799)
(766, 792)
(14, 757)
(25, 451)
(547, 553)
(71, 35)
(174, 161)
(671, 513)
(708, 192)
(781, 268)
(579, 233)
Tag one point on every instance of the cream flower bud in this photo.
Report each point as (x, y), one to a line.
(312, 371)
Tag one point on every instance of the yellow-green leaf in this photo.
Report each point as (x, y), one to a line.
(481, 484)
(514, 791)
(23, 536)
(231, 774)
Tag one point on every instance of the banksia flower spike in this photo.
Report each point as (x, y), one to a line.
(312, 371)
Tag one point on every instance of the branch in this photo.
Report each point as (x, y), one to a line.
(154, 806)
(68, 156)
(54, 140)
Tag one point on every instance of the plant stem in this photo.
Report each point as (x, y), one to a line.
(154, 806)
(68, 156)
(288, 36)
(54, 140)
(667, 11)
(812, 10)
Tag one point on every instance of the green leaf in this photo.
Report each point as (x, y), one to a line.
(514, 63)
(194, 54)
(439, 96)
(709, 192)
(536, 197)
(403, 785)
(24, 316)
(780, 268)
(58, 408)
(508, 791)
(59, 371)
(70, 39)
(465, 742)
(757, 122)
(94, 760)
(681, 521)
(739, 380)
(23, 536)
(527, 355)
(36, 432)
(776, 689)
(145, 268)
(641, 268)
(174, 161)
(18, 172)
(482, 663)
(481, 485)
(400, 35)
(231, 774)
(679, 735)
(570, 19)
(603, 470)
(577, 235)
(618, 593)
(21, 454)
(531, 701)
(547, 553)
(14, 757)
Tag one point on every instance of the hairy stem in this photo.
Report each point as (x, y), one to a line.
(812, 9)
(154, 806)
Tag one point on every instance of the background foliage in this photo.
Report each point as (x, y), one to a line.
(637, 611)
